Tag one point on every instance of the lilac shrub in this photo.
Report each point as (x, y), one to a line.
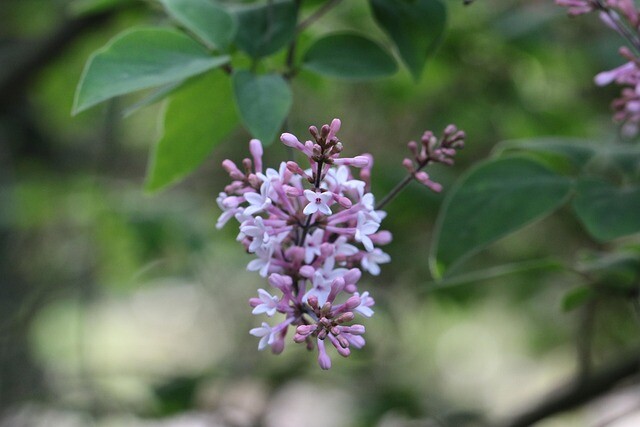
(623, 17)
(313, 232)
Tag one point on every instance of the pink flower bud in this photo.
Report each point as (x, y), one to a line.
(408, 164)
(323, 358)
(292, 191)
(313, 302)
(352, 276)
(345, 202)
(352, 302)
(232, 169)
(307, 271)
(381, 238)
(255, 148)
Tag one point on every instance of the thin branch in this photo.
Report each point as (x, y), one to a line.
(317, 14)
(575, 393)
(394, 192)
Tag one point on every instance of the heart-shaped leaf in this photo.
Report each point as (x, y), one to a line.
(141, 59)
(349, 56)
(607, 211)
(494, 199)
(416, 28)
(197, 118)
(266, 28)
(263, 101)
(208, 21)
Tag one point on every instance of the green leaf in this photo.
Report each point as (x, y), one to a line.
(416, 28)
(211, 23)
(157, 95)
(263, 102)
(607, 211)
(140, 59)
(265, 29)
(577, 297)
(577, 152)
(494, 199)
(196, 119)
(349, 56)
(613, 271)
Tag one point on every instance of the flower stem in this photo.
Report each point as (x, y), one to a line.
(317, 14)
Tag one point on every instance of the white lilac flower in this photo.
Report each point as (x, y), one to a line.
(258, 202)
(257, 231)
(312, 245)
(227, 213)
(343, 248)
(320, 289)
(263, 262)
(318, 202)
(267, 303)
(364, 227)
(365, 303)
(266, 333)
(371, 260)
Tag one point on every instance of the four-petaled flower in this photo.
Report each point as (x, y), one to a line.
(317, 202)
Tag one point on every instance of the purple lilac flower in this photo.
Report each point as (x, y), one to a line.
(313, 231)
(624, 18)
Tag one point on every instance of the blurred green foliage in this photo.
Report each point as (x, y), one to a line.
(117, 305)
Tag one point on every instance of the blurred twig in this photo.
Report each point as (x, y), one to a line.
(577, 392)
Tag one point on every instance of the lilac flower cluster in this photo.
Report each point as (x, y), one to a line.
(433, 150)
(624, 18)
(313, 231)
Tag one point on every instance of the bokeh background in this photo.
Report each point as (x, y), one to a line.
(121, 308)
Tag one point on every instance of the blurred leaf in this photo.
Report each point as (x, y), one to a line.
(415, 27)
(576, 151)
(83, 7)
(196, 119)
(607, 211)
(155, 96)
(494, 199)
(577, 297)
(210, 22)
(140, 59)
(619, 270)
(349, 56)
(625, 156)
(263, 102)
(495, 272)
(266, 28)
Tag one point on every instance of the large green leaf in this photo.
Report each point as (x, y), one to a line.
(263, 101)
(141, 59)
(415, 27)
(196, 119)
(608, 211)
(492, 200)
(573, 152)
(349, 56)
(210, 22)
(265, 29)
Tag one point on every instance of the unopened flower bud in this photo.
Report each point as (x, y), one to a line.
(307, 271)
(313, 302)
(324, 131)
(408, 164)
(232, 170)
(345, 202)
(352, 302)
(255, 148)
(381, 238)
(345, 317)
(292, 191)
